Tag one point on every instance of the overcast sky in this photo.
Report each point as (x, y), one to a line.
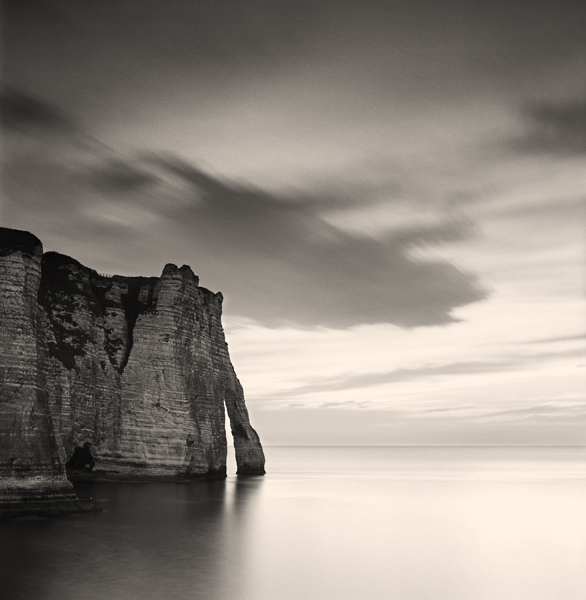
(389, 194)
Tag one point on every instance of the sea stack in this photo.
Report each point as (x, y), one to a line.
(135, 368)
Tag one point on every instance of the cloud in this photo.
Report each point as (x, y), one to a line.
(274, 256)
(366, 380)
(548, 410)
(22, 111)
(553, 340)
(316, 274)
(555, 128)
(450, 409)
(120, 176)
(346, 404)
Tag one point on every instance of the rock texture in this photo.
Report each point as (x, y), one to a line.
(139, 367)
(32, 476)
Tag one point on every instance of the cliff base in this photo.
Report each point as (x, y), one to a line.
(27, 498)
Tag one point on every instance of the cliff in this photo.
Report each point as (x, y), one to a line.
(138, 367)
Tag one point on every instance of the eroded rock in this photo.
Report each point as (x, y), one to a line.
(136, 366)
(32, 473)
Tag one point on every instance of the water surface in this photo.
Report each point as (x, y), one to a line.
(325, 523)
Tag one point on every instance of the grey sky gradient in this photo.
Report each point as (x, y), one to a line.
(389, 194)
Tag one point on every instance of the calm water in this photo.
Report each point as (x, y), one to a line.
(326, 523)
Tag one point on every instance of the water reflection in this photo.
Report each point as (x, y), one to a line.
(327, 523)
(150, 539)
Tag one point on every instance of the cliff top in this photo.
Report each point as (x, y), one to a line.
(13, 240)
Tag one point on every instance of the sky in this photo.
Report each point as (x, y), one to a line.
(389, 195)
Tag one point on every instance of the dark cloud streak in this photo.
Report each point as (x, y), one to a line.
(367, 380)
(117, 176)
(398, 375)
(273, 256)
(324, 276)
(22, 111)
(558, 128)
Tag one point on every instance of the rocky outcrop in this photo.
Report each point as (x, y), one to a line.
(136, 366)
(32, 474)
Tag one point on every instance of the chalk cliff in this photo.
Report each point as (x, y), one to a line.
(136, 366)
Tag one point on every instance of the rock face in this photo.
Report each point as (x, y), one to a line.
(32, 476)
(136, 366)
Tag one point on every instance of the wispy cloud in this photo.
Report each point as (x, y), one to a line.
(557, 128)
(555, 340)
(346, 404)
(368, 380)
(549, 410)
(22, 111)
(275, 256)
(449, 409)
(118, 176)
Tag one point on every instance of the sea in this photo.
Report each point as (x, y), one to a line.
(325, 523)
